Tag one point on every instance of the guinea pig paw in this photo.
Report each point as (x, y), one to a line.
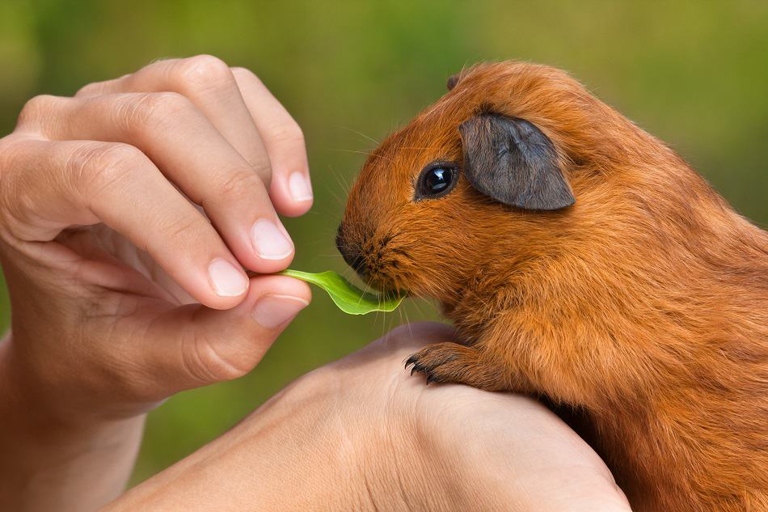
(449, 363)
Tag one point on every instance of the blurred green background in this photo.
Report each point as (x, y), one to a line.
(693, 73)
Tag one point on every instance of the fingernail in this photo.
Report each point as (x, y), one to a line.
(299, 187)
(272, 311)
(226, 279)
(270, 242)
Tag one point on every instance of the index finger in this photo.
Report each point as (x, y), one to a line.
(210, 85)
(205, 80)
(81, 183)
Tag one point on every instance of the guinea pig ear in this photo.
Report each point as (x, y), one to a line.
(513, 162)
(452, 81)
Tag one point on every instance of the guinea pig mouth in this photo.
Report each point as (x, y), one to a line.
(373, 267)
(385, 287)
(373, 275)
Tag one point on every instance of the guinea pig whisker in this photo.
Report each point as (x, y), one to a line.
(352, 151)
(416, 148)
(404, 317)
(379, 156)
(364, 153)
(361, 134)
(367, 154)
(341, 181)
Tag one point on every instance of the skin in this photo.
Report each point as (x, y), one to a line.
(127, 215)
(370, 437)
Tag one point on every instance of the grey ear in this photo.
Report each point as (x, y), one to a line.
(452, 81)
(513, 162)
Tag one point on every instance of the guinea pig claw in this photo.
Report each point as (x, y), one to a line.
(414, 360)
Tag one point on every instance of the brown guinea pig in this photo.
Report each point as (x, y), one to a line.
(583, 261)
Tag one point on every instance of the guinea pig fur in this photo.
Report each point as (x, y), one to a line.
(581, 261)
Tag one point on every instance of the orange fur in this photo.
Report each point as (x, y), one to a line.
(644, 306)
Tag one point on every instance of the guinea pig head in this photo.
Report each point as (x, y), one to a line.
(470, 182)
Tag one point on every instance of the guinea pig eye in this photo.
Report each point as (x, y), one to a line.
(436, 180)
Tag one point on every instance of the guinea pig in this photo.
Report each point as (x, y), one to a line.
(584, 262)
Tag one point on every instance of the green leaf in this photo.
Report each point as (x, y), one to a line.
(348, 297)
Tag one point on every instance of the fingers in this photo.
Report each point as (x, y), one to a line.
(193, 155)
(175, 131)
(212, 346)
(209, 84)
(243, 110)
(291, 188)
(84, 183)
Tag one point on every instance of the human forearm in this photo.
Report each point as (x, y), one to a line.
(311, 447)
(50, 463)
(287, 456)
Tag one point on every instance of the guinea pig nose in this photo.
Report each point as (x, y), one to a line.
(341, 241)
(351, 253)
(354, 259)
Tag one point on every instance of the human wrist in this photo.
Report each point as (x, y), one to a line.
(290, 454)
(50, 463)
(49, 396)
(308, 448)
(306, 425)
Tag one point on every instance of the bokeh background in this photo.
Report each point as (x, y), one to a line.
(693, 73)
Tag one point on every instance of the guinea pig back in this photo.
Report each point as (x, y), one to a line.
(581, 260)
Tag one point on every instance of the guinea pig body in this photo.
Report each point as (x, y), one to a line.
(581, 260)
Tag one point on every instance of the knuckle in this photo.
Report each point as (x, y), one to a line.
(88, 89)
(213, 361)
(183, 229)
(94, 167)
(38, 108)
(7, 153)
(264, 173)
(8, 189)
(105, 86)
(237, 185)
(19, 193)
(13, 153)
(180, 227)
(202, 70)
(137, 113)
(288, 133)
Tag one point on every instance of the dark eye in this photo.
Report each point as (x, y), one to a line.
(436, 180)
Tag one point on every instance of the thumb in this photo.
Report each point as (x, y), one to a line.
(191, 346)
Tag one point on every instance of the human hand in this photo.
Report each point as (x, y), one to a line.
(122, 291)
(363, 434)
